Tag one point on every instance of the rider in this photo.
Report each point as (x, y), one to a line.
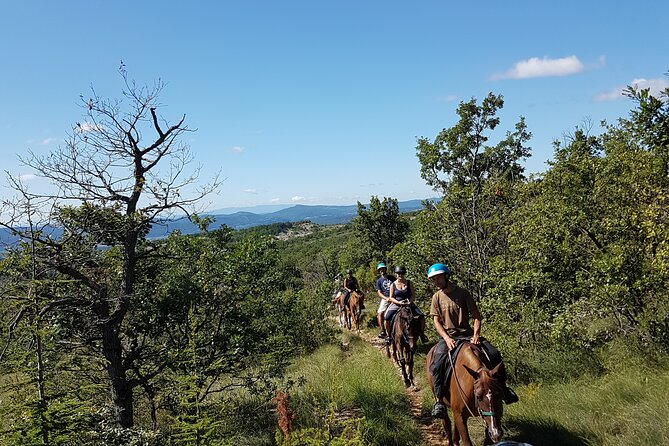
(402, 293)
(383, 290)
(450, 310)
(350, 285)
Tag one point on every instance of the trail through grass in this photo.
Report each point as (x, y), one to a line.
(356, 381)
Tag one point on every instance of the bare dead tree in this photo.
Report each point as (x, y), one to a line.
(122, 168)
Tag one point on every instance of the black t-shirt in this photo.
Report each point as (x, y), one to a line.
(351, 284)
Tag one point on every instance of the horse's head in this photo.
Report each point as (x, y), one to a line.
(489, 392)
(405, 313)
(404, 320)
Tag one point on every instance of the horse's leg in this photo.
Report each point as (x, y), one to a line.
(347, 318)
(446, 423)
(355, 321)
(356, 317)
(410, 364)
(460, 421)
(404, 370)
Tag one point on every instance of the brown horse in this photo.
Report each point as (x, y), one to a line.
(474, 391)
(354, 310)
(404, 334)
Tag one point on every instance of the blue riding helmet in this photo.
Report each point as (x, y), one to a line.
(380, 265)
(438, 268)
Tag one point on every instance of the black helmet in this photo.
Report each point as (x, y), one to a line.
(400, 270)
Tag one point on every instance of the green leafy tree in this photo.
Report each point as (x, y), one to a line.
(478, 182)
(379, 227)
(587, 258)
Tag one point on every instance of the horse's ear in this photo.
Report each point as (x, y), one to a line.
(474, 373)
(496, 371)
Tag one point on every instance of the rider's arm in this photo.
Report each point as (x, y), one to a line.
(381, 295)
(450, 342)
(391, 298)
(476, 315)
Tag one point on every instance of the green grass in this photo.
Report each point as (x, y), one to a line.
(626, 407)
(355, 381)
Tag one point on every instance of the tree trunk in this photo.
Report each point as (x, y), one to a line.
(121, 392)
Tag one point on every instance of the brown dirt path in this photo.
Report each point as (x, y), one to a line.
(431, 430)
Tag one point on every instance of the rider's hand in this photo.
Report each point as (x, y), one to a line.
(450, 342)
(475, 340)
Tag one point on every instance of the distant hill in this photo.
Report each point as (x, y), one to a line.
(319, 214)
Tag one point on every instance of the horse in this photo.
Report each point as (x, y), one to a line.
(404, 335)
(475, 391)
(354, 310)
(342, 311)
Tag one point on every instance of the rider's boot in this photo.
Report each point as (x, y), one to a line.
(439, 410)
(510, 396)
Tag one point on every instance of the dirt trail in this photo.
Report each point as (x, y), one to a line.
(431, 430)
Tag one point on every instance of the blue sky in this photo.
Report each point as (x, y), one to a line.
(321, 102)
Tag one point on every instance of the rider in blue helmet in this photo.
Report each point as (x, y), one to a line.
(451, 308)
(437, 268)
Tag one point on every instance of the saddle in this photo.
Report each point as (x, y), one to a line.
(490, 358)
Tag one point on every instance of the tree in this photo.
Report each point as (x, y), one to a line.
(380, 227)
(113, 182)
(477, 181)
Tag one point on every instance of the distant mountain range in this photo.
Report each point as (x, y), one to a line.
(321, 214)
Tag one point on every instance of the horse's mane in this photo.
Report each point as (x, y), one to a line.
(404, 314)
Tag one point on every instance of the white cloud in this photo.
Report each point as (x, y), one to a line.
(449, 98)
(298, 198)
(274, 200)
(251, 191)
(87, 127)
(535, 67)
(48, 141)
(27, 177)
(237, 149)
(656, 86)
